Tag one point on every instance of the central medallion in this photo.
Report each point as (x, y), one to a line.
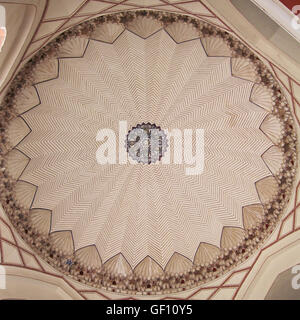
(146, 229)
(146, 143)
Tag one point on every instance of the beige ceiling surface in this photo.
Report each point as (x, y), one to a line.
(80, 11)
(282, 288)
(172, 218)
(53, 16)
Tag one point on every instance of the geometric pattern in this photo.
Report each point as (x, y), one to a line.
(171, 221)
(230, 283)
(210, 201)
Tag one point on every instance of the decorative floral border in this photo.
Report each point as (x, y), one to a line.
(168, 283)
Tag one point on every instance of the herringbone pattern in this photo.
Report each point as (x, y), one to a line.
(140, 210)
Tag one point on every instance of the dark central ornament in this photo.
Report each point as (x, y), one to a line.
(146, 143)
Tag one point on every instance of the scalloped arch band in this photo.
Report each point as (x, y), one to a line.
(147, 276)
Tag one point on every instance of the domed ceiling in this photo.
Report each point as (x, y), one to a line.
(133, 226)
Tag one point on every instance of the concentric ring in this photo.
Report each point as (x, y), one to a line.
(149, 241)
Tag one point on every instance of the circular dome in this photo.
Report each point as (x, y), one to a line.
(222, 173)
